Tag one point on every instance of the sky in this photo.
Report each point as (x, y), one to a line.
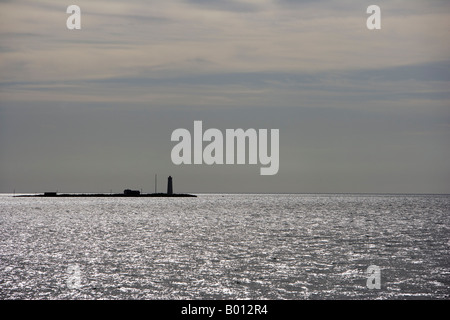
(93, 110)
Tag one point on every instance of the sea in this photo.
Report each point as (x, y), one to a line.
(226, 246)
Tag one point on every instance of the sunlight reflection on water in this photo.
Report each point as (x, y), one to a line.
(225, 247)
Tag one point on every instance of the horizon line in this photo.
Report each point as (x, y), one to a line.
(268, 193)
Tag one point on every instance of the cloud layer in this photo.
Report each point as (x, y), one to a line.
(310, 68)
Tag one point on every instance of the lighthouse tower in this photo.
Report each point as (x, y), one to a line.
(169, 186)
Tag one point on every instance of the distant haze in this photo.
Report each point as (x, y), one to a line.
(92, 110)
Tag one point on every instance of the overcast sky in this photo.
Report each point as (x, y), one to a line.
(92, 110)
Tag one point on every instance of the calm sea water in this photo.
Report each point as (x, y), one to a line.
(225, 247)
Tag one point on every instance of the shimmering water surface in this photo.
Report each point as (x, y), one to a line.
(225, 247)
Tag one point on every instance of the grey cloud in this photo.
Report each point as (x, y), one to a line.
(431, 71)
(225, 5)
(94, 110)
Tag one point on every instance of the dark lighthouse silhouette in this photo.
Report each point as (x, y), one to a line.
(169, 186)
(126, 193)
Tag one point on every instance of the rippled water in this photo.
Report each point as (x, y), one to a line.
(225, 247)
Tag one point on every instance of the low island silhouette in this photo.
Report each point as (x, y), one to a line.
(126, 193)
